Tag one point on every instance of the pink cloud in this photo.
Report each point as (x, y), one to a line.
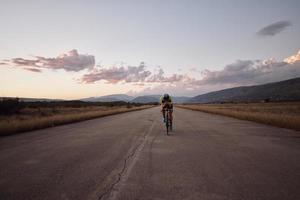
(115, 75)
(239, 73)
(131, 74)
(70, 61)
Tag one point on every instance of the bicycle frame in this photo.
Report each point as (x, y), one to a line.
(168, 120)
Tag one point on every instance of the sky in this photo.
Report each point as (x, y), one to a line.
(76, 49)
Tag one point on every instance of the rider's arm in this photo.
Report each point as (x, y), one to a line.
(161, 103)
(161, 100)
(171, 99)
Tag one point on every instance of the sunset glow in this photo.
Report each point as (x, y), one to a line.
(63, 50)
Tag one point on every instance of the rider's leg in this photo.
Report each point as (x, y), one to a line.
(171, 112)
(163, 112)
(171, 119)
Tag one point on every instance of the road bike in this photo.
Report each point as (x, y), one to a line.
(168, 120)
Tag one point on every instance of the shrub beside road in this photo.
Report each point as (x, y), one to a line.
(17, 116)
(285, 115)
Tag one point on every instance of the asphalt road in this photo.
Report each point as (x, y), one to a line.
(129, 156)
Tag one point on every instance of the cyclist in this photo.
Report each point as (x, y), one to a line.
(166, 102)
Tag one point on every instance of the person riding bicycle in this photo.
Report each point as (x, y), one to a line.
(166, 103)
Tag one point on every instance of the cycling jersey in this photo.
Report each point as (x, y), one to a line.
(168, 100)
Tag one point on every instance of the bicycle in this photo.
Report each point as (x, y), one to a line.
(168, 120)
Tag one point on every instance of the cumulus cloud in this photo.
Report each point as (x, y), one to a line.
(70, 61)
(160, 77)
(117, 74)
(247, 72)
(239, 73)
(130, 74)
(274, 28)
(293, 59)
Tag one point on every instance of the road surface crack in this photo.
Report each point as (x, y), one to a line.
(125, 165)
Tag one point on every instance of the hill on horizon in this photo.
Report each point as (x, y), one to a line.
(146, 99)
(156, 98)
(288, 90)
(109, 98)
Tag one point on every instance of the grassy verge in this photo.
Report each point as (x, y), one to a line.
(285, 115)
(19, 124)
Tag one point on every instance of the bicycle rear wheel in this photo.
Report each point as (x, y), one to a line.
(167, 121)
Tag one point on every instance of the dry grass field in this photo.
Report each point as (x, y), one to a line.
(29, 118)
(285, 115)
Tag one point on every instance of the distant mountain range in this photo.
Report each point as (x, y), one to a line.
(288, 90)
(138, 99)
(113, 98)
(146, 99)
(109, 98)
(156, 98)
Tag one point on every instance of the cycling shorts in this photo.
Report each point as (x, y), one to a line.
(168, 106)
